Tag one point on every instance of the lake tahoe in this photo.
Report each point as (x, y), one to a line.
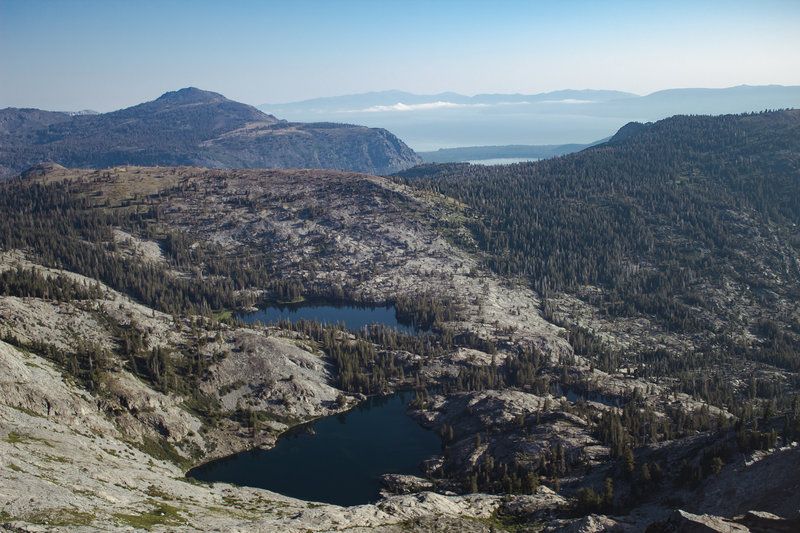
(501, 161)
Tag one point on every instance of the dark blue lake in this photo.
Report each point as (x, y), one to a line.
(354, 317)
(342, 460)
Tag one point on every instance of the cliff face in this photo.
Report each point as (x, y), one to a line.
(193, 127)
(314, 145)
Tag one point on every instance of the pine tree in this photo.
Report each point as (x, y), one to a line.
(628, 462)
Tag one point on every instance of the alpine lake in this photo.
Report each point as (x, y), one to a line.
(337, 459)
(330, 313)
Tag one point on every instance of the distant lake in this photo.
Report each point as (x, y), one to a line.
(342, 460)
(354, 317)
(427, 130)
(501, 161)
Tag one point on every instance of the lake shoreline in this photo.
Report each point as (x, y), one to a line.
(353, 315)
(406, 445)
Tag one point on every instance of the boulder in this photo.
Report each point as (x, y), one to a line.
(685, 522)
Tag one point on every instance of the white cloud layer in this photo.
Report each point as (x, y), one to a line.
(400, 106)
(567, 101)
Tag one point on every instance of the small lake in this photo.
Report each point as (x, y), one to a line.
(342, 460)
(354, 317)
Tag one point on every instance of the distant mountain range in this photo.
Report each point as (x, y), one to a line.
(449, 120)
(192, 127)
(395, 100)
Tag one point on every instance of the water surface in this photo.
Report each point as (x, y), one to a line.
(341, 462)
(501, 161)
(354, 317)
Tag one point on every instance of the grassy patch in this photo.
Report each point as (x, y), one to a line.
(504, 521)
(298, 300)
(192, 481)
(163, 450)
(58, 459)
(233, 512)
(28, 411)
(252, 508)
(160, 514)
(15, 468)
(223, 315)
(16, 438)
(61, 518)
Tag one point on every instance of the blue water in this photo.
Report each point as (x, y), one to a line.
(501, 161)
(353, 317)
(342, 460)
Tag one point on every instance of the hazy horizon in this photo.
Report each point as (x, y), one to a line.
(104, 56)
(399, 105)
(428, 123)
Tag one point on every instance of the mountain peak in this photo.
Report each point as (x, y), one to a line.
(194, 127)
(629, 130)
(190, 95)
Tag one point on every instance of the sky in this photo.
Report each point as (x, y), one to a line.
(106, 55)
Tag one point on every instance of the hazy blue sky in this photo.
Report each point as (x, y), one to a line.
(106, 55)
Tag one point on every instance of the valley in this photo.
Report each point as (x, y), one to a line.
(607, 337)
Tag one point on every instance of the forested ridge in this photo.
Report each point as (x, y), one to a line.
(670, 193)
(690, 222)
(60, 227)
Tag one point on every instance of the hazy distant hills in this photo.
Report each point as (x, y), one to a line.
(25, 121)
(449, 120)
(376, 100)
(192, 127)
